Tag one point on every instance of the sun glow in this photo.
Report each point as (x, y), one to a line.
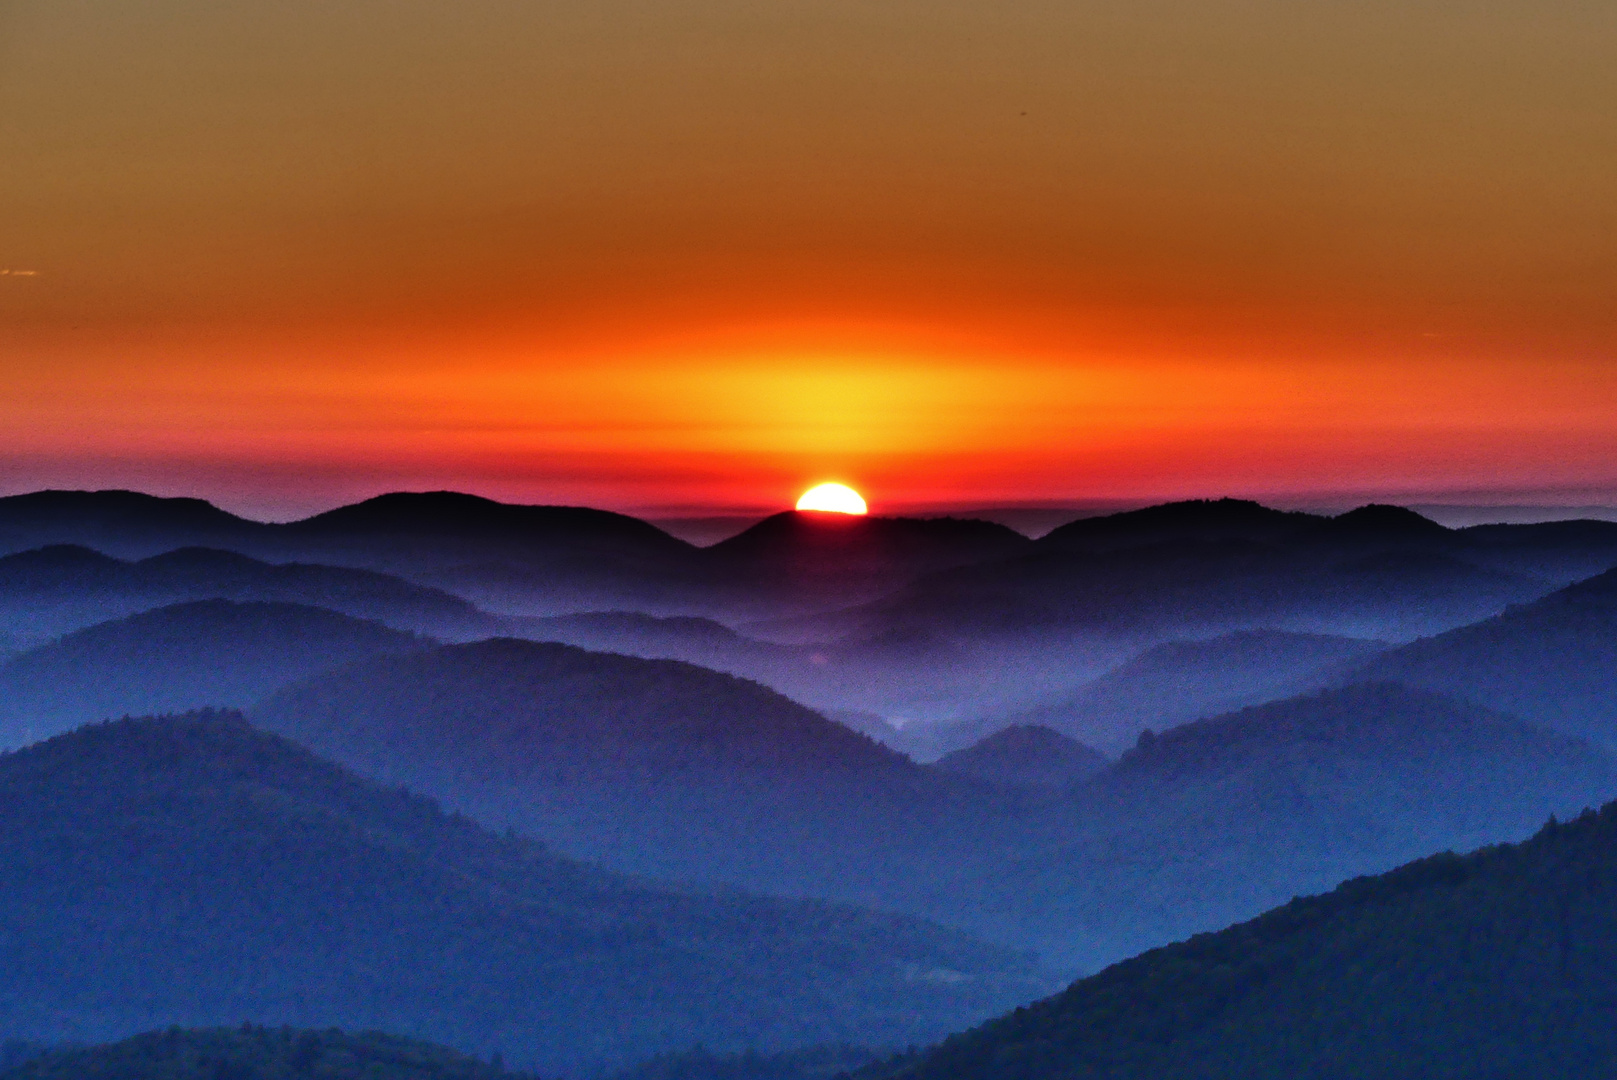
(832, 498)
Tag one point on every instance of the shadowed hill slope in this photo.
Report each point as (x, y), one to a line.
(1027, 756)
(195, 871)
(654, 766)
(1497, 964)
(1551, 661)
(1180, 681)
(1217, 820)
(54, 590)
(208, 652)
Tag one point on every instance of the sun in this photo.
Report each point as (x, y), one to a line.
(834, 498)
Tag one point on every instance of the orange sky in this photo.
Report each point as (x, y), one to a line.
(699, 253)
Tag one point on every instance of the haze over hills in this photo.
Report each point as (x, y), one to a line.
(1025, 755)
(1180, 681)
(53, 590)
(195, 871)
(653, 766)
(663, 768)
(1551, 661)
(185, 656)
(1496, 964)
(1217, 820)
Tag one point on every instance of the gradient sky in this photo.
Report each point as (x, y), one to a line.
(698, 254)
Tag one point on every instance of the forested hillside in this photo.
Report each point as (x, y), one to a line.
(1500, 964)
(258, 1053)
(193, 870)
(185, 656)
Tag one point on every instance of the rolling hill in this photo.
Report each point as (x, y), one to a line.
(1214, 821)
(1490, 965)
(1550, 661)
(1180, 681)
(185, 656)
(653, 766)
(1026, 756)
(49, 591)
(194, 871)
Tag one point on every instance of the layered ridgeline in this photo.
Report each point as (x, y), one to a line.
(186, 656)
(195, 871)
(655, 766)
(534, 559)
(255, 1053)
(1552, 661)
(660, 767)
(1497, 964)
(1180, 681)
(1209, 567)
(1218, 820)
(54, 590)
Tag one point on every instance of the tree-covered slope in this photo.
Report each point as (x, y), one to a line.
(1215, 821)
(195, 871)
(1501, 964)
(185, 656)
(653, 766)
(257, 1053)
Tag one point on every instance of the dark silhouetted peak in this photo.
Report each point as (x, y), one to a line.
(843, 549)
(121, 523)
(1197, 520)
(450, 514)
(1026, 754)
(1381, 519)
(128, 509)
(61, 566)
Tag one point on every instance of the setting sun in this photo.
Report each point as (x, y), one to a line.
(833, 498)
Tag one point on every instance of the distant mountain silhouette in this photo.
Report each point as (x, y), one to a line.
(806, 558)
(1026, 755)
(257, 1053)
(53, 590)
(1180, 681)
(1496, 964)
(125, 523)
(194, 871)
(1192, 521)
(1217, 820)
(1552, 661)
(206, 652)
(1216, 567)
